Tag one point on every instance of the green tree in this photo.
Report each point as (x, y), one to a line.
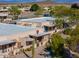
(34, 7)
(74, 16)
(40, 11)
(50, 8)
(75, 31)
(14, 10)
(56, 42)
(73, 41)
(59, 22)
(75, 6)
(65, 12)
(61, 11)
(68, 31)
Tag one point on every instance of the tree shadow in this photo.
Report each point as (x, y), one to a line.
(26, 54)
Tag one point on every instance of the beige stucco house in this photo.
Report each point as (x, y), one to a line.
(18, 34)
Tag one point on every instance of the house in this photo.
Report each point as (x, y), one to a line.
(12, 29)
(49, 28)
(26, 42)
(6, 47)
(3, 16)
(4, 9)
(40, 38)
(17, 33)
(36, 22)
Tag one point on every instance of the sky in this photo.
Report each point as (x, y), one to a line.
(69, 1)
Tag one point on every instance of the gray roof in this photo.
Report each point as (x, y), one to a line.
(40, 19)
(29, 39)
(3, 14)
(40, 34)
(4, 42)
(10, 29)
(49, 25)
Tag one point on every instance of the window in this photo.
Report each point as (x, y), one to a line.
(0, 47)
(4, 49)
(10, 45)
(28, 43)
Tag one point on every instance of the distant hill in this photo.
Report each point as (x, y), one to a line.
(42, 4)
